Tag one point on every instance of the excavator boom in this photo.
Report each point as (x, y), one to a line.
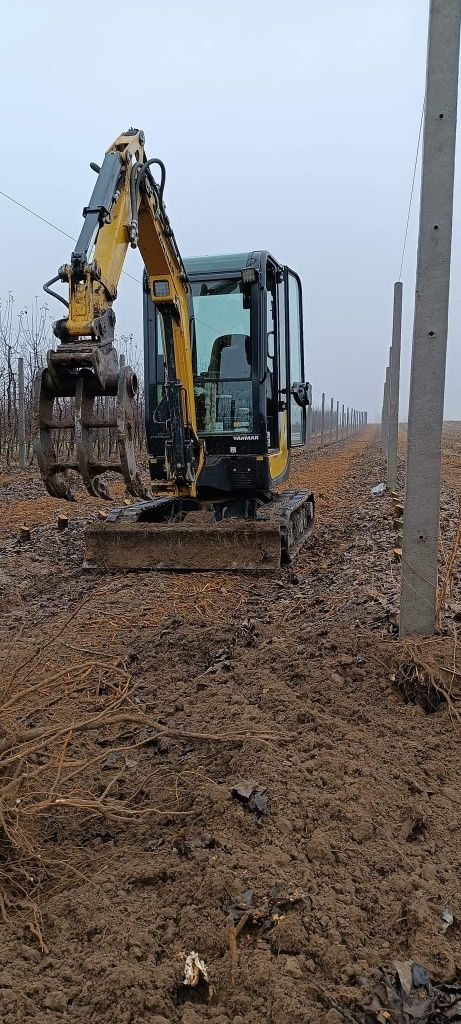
(126, 208)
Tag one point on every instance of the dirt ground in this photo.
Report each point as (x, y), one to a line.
(222, 764)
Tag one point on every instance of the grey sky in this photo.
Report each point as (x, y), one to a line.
(287, 125)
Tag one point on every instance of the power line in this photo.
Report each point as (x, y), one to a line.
(412, 189)
(37, 215)
(54, 226)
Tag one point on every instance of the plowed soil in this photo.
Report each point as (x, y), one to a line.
(188, 757)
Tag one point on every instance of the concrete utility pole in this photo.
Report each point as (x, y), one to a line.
(394, 379)
(385, 414)
(427, 384)
(21, 415)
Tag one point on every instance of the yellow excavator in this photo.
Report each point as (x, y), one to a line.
(225, 395)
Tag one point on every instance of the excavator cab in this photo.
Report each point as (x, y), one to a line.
(248, 371)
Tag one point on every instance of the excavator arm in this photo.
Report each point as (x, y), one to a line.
(126, 208)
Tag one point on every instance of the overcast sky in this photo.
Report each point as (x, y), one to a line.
(290, 126)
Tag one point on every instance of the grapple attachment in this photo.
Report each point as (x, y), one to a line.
(80, 373)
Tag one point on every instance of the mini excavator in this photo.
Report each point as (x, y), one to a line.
(225, 396)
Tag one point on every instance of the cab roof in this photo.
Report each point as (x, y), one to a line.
(225, 263)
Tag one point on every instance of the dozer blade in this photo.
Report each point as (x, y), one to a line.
(129, 539)
(186, 548)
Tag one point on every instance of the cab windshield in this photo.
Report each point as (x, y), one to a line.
(222, 357)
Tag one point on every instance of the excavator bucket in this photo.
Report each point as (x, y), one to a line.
(128, 539)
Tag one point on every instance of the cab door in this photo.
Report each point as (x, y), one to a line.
(294, 320)
(276, 368)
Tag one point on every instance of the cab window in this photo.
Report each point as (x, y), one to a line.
(221, 356)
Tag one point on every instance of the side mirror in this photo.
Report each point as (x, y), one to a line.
(302, 394)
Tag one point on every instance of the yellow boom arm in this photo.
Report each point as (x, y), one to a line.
(126, 208)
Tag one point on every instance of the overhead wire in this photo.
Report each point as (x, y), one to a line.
(54, 226)
(412, 188)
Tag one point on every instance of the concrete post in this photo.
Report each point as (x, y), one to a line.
(322, 422)
(347, 422)
(427, 383)
(388, 389)
(385, 414)
(337, 421)
(394, 378)
(308, 424)
(342, 422)
(330, 430)
(21, 415)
